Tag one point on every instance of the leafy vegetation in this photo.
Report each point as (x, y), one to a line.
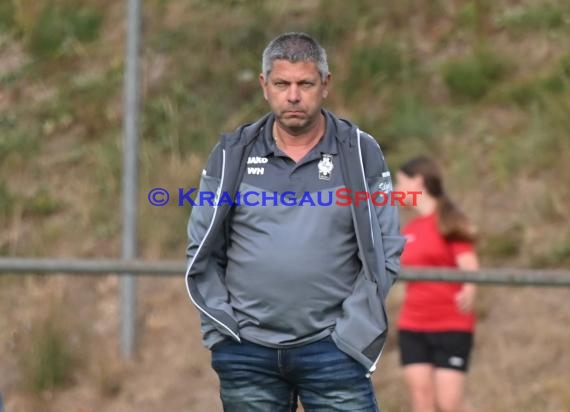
(58, 27)
(472, 77)
(6, 16)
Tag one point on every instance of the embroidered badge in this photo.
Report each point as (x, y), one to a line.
(325, 167)
(385, 184)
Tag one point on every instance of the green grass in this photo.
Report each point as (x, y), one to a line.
(508, 155)
(84, 24)
(525, 93)
(472, 77)
(475, 15)
(59, 26)
(540, 88)
(104, 214)
(332, 30)
(550, 207)
(180, 118)
(410, 119)
(16, 139)
(48, 34)
(10, 80)
(503, 245)
(537, 146)
(166, 121)
(371, 67)
(41, 203)
(468, 15)
(169, 40)
(6, 16)
(532, 18)
(6, 202)
(84, 101)
(559, 257)
(505, 163)
(47, 363)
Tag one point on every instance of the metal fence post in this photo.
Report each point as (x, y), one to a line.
(130, 176)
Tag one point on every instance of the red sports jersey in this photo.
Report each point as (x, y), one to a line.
(431, 306)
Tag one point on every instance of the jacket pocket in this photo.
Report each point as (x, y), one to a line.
(361, 330)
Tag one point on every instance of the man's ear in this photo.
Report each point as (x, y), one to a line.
(263, 84)
(326, 84)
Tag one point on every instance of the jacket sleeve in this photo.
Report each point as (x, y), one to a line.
(201, 214)
(208, 273)
(379, 179)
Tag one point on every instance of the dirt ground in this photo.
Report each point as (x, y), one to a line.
(521, 360)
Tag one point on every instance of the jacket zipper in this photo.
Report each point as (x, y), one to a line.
(204, 311)
(373, 367)
(365, 185)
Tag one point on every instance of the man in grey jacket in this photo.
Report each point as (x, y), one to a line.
(290, 263)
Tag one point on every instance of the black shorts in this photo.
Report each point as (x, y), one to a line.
(442, 349)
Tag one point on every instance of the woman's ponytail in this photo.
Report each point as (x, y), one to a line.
(453, 223)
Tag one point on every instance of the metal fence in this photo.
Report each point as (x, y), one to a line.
(130, 268)
(498, 276)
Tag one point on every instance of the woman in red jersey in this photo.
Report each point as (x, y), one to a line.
(437, 321)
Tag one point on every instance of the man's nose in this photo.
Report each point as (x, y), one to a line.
(293, 94)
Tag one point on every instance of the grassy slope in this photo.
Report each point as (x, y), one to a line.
(486, 88)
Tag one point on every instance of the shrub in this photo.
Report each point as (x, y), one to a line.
(371, 66)
(472, 77)
(6, 15)
(56, 27)
(506, 244)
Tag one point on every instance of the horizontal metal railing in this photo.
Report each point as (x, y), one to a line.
(499, 276)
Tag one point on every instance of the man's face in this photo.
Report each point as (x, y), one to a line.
(295, 93)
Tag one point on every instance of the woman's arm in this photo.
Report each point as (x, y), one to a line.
(465, 298)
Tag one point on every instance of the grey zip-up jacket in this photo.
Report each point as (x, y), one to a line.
(362, 329)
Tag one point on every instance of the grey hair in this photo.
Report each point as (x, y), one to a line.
(295, 47)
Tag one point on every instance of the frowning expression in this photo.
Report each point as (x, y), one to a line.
(295, 92)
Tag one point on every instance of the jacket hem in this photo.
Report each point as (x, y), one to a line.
(350, 351)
